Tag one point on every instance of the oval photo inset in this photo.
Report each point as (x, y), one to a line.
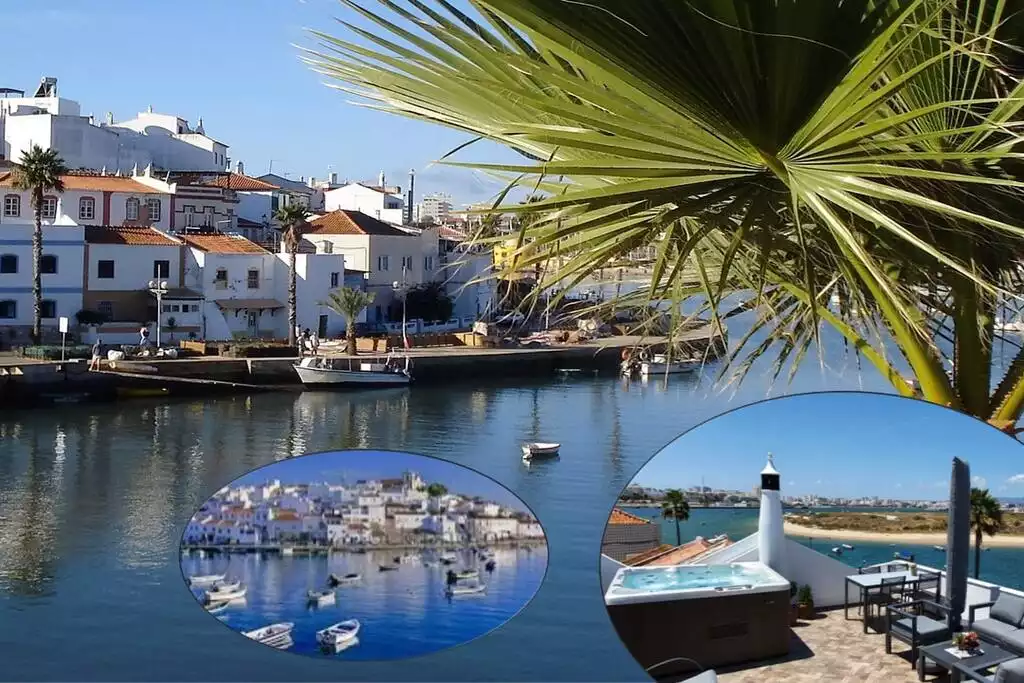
(363, 555)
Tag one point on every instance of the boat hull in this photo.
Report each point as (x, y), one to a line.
(318, 377)
(666, 368)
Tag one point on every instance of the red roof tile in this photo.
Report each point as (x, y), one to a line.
(94, 183)
(344, 222)
(219, 243)
(127, 235)
(622, 517)
(242, 183)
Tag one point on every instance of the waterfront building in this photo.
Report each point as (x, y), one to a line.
(380, 200)
(493, 528)
(529, 529)
(54, 122)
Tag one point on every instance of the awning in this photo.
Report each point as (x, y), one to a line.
(180, 294)
(251, 304)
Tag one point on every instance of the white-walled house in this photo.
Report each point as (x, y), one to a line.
(493, 528)
(377, 201)
(316, 274)
(386, 253)
(464, 270)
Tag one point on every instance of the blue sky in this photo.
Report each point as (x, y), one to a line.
(355, 465)
(233, 63)
(841, 445)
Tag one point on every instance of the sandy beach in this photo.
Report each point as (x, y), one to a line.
(909, 539)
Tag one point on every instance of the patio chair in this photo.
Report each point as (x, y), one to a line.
(916, 623)
(929, 587)
(883, 594)
(1008, 671)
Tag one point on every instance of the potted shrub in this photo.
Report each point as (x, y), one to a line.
(794, 609)
(805, 602)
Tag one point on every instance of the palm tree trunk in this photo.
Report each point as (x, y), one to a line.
(350, 336)
(37, 277)
(679, 538)
(292, 313)
(977, 554)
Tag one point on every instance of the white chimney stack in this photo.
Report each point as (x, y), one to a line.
(312, 182)
(240, 168)
(771, 539)
(333, 178)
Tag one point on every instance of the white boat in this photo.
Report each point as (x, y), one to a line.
(287, 551)
(540, 450)
(207, 580)
(320, 598)
(661, 365)
(216, 607)
(941, 548)
(338, 634)
(323, 372)
(846, 546)
(218, 595)
(275, 635)
(837, 550)
(336, 580)
(448, 559)
(467, 574)
(456, 590)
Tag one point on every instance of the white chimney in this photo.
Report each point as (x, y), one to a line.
(332, 178)
(312, 181)
(302, 178)
(771, 540)
(240, 168)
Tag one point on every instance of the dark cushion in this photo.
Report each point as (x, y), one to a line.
(927, 629)
(997, 632)
(1008, 609)
(1010, 672)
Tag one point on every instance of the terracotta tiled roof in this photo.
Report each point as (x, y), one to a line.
(670, 557)
(344, 222)
(94, 183)
(219, 243)
(243, 183)
(451, 234)
(623, 517)
(286, 517)
(640, 558)
(127, 235)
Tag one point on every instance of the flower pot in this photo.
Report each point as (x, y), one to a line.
(806, 610)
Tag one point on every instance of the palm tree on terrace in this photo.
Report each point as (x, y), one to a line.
(850, 164)
(676, 508)
(349, 303)
(292, 219)
(986, 520)
(39, 172)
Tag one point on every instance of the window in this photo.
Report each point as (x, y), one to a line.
(161, 268)
(12, 206)
(382, 263)
(194, 308)
(334, 280)
(48, 264)
(207, 216)
(8, 264)
(105, 270)
(8, 309)
(190, 215)
(153, 209)
(220, 279)
(87, 208)
(49, 207)
(173, 308)
(252, 280)
(327, 247)
(48, 309)
(428, 263)
(407, 263)
(131, 209)
(106, 309)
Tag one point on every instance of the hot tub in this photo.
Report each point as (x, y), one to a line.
(714, 615)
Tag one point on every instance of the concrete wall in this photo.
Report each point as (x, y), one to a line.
(256, 206)
(133, 266)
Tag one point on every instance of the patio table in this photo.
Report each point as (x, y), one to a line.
(991, 655)
(863, 582)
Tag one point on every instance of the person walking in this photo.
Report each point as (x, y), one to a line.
(305, 341)
(97, 349)
(314, 343)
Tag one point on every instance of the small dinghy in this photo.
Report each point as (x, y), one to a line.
(227, 586)
(837, 551)
(388, 567)
(320, 598)
(467, 575)
(940, 548)
(218, 595)
(336, 580)
(275, 635)
(217, 607)
(448, 559)
(206, 580)
(338, 634)
(846, 546)
(540, 450)
(456, 590)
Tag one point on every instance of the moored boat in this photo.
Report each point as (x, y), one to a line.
(321, 371)
(388, 567)
(455, 590)
(205, 580)
(275, 635)
(320, 598)
(448, 559)
(467, 574)
(540, 450)
(217, 595)
(338, 634)
(336, 580)
(661, 365)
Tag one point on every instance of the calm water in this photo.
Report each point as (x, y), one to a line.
(402, 613)
(93, 501)
(998, 565)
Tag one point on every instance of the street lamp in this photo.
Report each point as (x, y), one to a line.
(400, 288)
(158, 288)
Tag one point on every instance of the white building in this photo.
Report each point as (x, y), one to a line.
(53, 122)
(446, 529)
(380, 201)
(529, 530)
(465, 271)
(493, 528)
(434, 208)
(408, 520)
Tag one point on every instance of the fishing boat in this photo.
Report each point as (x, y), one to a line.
(660, 364)
(336, 580)
(205, 580)
(846, 546)
(274, 635)
(448, 559)
(320, 598)
(388, 567)
(837, 551)
(455, 590)
(338, 634)
(540, 450)
(218, 595)
(322, 371)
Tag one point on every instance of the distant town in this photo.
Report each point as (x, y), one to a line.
(705, 496)
(398, 511)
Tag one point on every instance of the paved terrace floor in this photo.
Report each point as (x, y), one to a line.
(828, 648)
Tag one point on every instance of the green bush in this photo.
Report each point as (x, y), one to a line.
(53, 352)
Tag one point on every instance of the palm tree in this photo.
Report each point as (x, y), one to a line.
(348, 303)
(436, 490)
(675, 507)
(790, 153)
(292, 218)
(986, 519)
(39, 172)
